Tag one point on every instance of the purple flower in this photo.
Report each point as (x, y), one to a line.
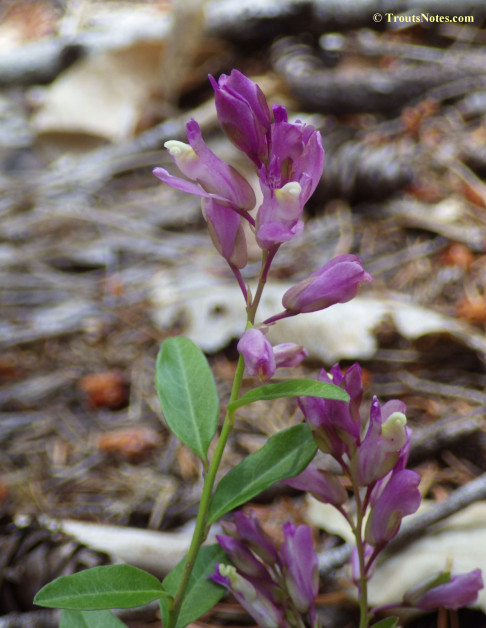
(226, 232)
(248, 529)
(254, 598)
(337, 281)
(296, 154)
(399, 497)
(242, 558)
(278, 219)
(243, 113)
(445, 590)
(294, 168)
(216, 179)
(289, 354)
(323, 485)
(258, 354)
(299, 563)
(382, 446)
(336, 425)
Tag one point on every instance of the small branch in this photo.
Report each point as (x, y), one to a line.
(416, 526)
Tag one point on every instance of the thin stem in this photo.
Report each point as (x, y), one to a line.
(364, 618)
(267, 259)
(236, 272)
(201, 529)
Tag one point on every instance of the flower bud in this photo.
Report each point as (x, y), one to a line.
(243, 113)
(252, 597)
(299, 563)
(241, 557)
(337, 281)
(335, 424)
(444, 590)
(321, 484)
(399, 497)
(226, 232)
(249, 530)
(257, 353)
(289, 354)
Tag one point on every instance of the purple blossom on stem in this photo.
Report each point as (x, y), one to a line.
(321, 484)
(216, 178)
(386, 437)
(299, 563)
(294, 168)
(249, 530)
(243, 113)
(254, 598)
(289, 354)
(336, 425)
(261, 359)
(338, 281)
(278, 219)
(242, 558)
(258, 354)
(445, 591)
(399, 497)
(226, 232)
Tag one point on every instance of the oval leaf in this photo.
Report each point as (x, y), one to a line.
(389, 622)
(187, 393)
(112, 586)
(283, 456)
(291, 388)
(201, 593)
(89, 619)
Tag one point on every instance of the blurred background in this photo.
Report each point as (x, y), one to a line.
(99, 262)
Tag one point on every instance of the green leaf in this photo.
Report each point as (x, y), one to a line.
(89, 619)
(187, 393)
(112, 586)
(283, 456)
(201, 593)
(291, 388)
(389, 622)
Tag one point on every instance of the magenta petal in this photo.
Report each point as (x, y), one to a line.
(183, 184)
(324, 486)
(399, 498)
(461, 590)
(243, 113)
(242, 558)
(249, 530)
(337, 281)
(299, 563)
(215, 175)
(257, 353)
(226, 232)
(289, 354)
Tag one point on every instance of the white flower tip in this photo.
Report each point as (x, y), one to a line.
(289, 190)
(393, 429)
(179, 149)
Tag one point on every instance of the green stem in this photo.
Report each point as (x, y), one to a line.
(201, 529)
(364, 616)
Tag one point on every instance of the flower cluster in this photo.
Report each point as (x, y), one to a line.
(373, 455)
(277, 587)
(261, 359)
(288, 159)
